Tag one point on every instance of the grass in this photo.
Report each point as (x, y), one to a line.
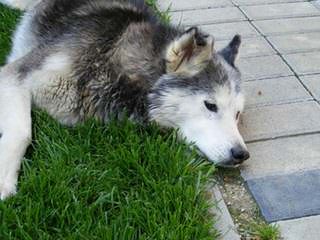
(115, 181)
(266, 231)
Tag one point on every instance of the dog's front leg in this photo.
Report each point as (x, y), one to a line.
(15, 129)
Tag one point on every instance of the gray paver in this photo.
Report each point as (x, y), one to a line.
(224, 224)
(290, 25)
(178, 5)
(316, 3)
(224, 31)
(251, 47)
(282, 156)
(260, 2)
(263, 67)
(262, 92)
(287, 196)
(283, 10)
(303, 228)
(313, 84)
(207, 16)
(304, 63)
(280, 120)
(294, 43)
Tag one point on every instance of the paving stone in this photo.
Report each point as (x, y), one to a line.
(207, 16)
(312, 82)
(280, 120)
(261, 2)
(316, 3)
(303, 228)
(263, 67)
(289, 25)
(178, 5)
(294, 43)
(250, 47)
(282, 10)
(304, 63)
(225, 31)
(224, 223)
(287, 196)
(282, 156)
(274, 91)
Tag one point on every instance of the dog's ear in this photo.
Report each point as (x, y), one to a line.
(188, 54)
(230, 53)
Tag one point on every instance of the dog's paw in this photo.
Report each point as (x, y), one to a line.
(7, 189)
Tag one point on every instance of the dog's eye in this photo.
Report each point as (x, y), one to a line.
(211, 106)
(238, 115)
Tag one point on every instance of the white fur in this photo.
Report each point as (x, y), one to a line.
(213, 133)
(52, 88)
(15, 126)
(23, 39)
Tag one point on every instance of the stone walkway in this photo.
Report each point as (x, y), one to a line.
(280, 62)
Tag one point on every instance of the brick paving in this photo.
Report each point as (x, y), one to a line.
(280, 62)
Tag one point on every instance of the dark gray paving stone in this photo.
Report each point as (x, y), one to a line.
(287, 197)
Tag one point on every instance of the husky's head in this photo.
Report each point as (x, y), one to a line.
(200, 95)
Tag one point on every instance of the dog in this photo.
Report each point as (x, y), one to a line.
(80, 59)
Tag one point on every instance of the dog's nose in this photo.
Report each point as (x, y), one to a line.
(239, 154)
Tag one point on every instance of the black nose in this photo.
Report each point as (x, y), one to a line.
(239, 154)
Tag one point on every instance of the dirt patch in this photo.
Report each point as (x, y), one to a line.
(242, 207)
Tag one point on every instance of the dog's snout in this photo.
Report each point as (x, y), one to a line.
(239, 154)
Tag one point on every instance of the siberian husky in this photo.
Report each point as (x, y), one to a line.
(80, 59)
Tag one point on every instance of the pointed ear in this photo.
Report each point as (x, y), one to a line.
(230, 53)
(189, 53)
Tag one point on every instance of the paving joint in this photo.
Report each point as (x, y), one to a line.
(283, 137)
(281, 56)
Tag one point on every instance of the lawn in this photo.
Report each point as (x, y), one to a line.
(95, 181)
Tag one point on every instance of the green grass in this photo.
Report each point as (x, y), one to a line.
(95, 181)
(8, 19)
(266, 231)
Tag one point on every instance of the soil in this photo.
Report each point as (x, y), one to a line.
(242, 207)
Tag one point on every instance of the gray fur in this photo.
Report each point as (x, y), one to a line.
(116, 61)
(80, 59)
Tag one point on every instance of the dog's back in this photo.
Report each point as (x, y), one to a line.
(116, 53)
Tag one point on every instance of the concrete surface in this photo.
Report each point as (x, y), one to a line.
(281, 120)
(304, 63)
(303, 228)
(261, 92)
(224, 224)
(263, 67)
(287, 196)
(225, 31)
(280, 64)
(282, 156)
(312, 82)
(289, 25)
(207, 16)
(282, 10)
